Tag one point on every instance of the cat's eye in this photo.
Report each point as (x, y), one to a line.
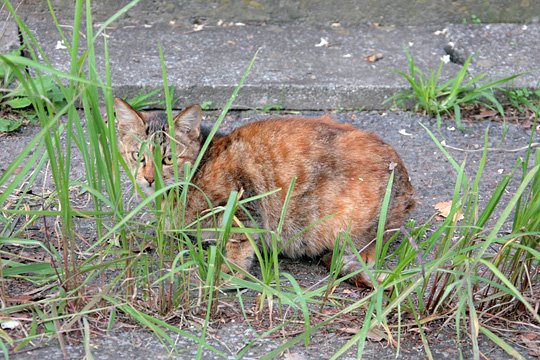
(167, 160)
(135, 155)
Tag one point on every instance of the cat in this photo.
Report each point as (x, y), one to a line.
(341, 179)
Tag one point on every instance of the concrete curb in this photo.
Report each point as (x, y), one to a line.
(9, 36)
(299, 66)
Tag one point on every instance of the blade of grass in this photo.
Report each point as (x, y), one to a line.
(501, 343)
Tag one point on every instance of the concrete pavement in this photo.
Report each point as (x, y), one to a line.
(302, 65)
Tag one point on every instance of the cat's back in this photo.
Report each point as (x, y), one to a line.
(314, 150)
(304, 138)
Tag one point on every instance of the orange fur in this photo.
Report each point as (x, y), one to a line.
(341, 176)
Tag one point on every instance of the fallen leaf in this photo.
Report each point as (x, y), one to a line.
(444, 208)
(441, 32)
(485, 113)
(529, 336)
(10, 324)
(197, 27)
(293, 356)
(349, 330)
(374, 57)
(404, 132)
(373, 334)
(20, 299)
(60, 45)
(324, 42)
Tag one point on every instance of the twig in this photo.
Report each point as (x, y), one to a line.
(532, 145)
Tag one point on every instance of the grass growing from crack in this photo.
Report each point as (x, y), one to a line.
(430, 94)
(466, 273)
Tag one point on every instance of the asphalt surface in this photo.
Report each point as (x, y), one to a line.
(307, 61)
(434, 180)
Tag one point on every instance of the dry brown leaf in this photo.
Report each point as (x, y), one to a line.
(529, 340)
(349, 330)
(373, 334)
(529, 336)
(444, 208)
(293, 356)
(20, 299)
(374, 57)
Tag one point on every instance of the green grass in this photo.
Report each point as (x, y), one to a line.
(130, 268)
(17, 99)
(434, 97)
(523, 99)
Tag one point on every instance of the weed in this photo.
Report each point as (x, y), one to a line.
(206, 105)
(475, 19)
(17, 99)
(146, 100)
(523, 98)
(271, 108)
(472, 19)
(436, 98)
(352, 109)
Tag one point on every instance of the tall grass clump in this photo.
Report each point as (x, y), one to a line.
(478, 272)
(103, 278)
(114, 275)
(435, 97)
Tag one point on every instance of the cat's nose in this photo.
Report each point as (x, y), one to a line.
(150, 180)
(148, 173)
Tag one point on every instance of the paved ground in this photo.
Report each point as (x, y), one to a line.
(312, 63)
(304, 64)
(434, 180)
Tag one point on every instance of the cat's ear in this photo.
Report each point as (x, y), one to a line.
(189, 121)
(127, 118)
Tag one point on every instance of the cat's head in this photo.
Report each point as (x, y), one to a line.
(141, 134)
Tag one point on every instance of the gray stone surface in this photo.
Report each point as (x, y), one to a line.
(314, 12)
(500, 50)
(300, 65)
(9, 36)
(290, 70)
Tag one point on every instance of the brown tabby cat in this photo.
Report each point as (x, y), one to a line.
(341, 172)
